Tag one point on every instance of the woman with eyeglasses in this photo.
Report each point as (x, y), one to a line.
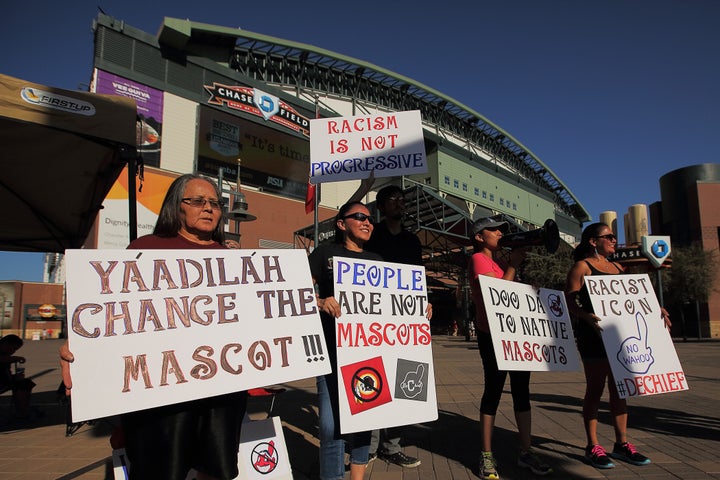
(353, 227)
(166, 442)
(597, 243)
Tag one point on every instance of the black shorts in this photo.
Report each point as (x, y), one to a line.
(166, 442)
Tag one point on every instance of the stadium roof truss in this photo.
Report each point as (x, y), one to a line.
(309, 70)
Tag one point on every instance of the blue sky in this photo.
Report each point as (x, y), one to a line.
(609, 94)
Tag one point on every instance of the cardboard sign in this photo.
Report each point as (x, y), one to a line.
(641, 353)
(531, 328)
(348, 148)
(156, 327)
(384, 352)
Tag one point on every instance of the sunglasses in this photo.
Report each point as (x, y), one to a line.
(609, 237)
(360, 217)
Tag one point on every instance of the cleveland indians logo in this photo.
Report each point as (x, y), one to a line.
(264, 457)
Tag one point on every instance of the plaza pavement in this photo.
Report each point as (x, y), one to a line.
(680, 431)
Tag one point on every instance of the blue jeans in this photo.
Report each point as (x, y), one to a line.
(332, 444)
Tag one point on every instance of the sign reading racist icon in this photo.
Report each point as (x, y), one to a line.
(641, 353)
(384, 352)
(530, 327)
(348, 148)
(156, 327)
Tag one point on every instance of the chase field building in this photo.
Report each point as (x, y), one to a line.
(229, 103)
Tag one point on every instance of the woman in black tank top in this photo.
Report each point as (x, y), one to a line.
(591, 258)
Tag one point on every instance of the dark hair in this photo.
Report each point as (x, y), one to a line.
(12, 340)
(384, 193)
(168, 222)
(339, 234)
(584, 249)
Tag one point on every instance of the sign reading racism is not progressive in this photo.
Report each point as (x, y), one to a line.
(348, 148)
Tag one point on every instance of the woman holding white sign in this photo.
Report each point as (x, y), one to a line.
(165, 443)
(591, 258)
(485, 236)
(353, 227)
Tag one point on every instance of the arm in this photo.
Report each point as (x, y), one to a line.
(573, 285)
(66, 358)
(364, 188)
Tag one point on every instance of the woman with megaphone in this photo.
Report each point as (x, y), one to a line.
(486, 235)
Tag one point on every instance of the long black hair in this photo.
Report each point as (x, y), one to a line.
(584, 248)
(168, 222)
(340, 234)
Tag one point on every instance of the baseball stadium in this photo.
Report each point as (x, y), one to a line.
(197, 88)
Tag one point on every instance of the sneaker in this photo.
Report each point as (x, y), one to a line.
(597, 457)
(529, 459)
(488, 467)
(627, 452)
(401, 459)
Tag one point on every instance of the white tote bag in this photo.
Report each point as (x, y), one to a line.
(263, 454)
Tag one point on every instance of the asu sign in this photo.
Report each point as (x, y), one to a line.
(656, 249)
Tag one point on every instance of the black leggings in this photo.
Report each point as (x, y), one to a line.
(495, 381)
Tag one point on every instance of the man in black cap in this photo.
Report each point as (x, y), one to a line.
(397, 245)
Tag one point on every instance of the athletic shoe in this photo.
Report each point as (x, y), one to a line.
(488, 467)
(528, 459)
(597, 457)
(628, 453)
(400, 459)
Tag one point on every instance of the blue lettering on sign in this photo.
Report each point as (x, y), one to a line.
(659, 248)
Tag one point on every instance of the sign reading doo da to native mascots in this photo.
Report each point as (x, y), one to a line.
(641, 353)
(156, 327)
(384, 353)
(530, 327)
(348, 148)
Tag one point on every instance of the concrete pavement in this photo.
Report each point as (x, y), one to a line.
(680, 432)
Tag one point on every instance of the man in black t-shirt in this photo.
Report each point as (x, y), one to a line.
(397, 245)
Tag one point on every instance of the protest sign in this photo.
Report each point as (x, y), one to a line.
(641, 353)
(348, 148)
(530, 327)
(156, 327)
(384, 353)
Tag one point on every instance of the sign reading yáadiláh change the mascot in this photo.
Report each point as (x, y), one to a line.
(384, 352)
(156, 327)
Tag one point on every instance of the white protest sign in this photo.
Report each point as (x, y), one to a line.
(384, 353)
(348, 148)
(156, 327)
(531, 328)
(641, 353)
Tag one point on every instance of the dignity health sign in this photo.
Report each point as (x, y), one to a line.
(641, 353)
(530, 327)
(156, 327)
(349, 148)
(384, 354)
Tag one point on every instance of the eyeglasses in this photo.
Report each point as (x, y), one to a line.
(611, 237)
(360, 217)
(200, 203)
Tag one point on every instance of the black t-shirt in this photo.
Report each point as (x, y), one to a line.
(404, 247)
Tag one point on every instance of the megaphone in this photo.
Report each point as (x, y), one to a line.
(547, 235)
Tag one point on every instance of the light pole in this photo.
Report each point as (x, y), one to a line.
(239, 213)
